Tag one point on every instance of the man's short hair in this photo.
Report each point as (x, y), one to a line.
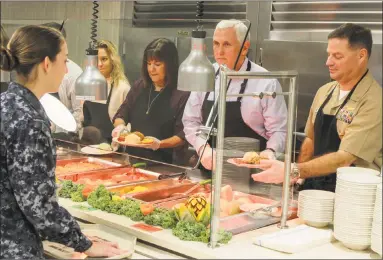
(239, 27)
(357, 36)
(56, 26)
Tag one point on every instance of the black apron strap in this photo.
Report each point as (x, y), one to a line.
(110, 94)
(244, 83)
(350, 94)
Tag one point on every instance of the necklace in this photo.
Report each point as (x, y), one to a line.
(151, 103)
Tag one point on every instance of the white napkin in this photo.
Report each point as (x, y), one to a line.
(293, 240)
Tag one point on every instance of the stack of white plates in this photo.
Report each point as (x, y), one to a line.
(376, 233)
(316, 207)
(357, 170)
(244, 144)
(354, 208)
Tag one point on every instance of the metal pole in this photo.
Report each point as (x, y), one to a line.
(288, 149)
(219, 164)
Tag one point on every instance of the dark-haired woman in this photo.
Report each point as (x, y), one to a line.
(154, 106)
(29, 208)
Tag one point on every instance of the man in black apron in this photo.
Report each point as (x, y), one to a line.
(264, 120)
(344, 127)
(97, 115)
(234, 124)
(326, 141)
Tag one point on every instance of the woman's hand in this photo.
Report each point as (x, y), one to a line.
(117, 130)
(104, 249)
(155, 144)
(119, 121)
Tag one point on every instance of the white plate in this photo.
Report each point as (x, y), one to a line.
(317, 194)
(359, 178)
(94, 151)
(239, 162)
(358, 170)
(58, 113)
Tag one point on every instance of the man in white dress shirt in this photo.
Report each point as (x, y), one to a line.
(66, 92)
(263, 119)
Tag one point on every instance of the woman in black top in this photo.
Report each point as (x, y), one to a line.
(154, 106)
(29, 209)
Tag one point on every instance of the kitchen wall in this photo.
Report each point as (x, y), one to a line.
(78, 13)
(292, 34)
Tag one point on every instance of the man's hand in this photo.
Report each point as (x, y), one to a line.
(268, 154)
(208, 157)
(273, 172)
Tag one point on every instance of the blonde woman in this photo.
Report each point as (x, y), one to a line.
(110, 66)
(100, 115)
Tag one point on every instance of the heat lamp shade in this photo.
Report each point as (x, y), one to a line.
(91, 84)
(196, 73)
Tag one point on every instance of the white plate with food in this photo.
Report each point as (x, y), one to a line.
(98, 149)
(134, 139)
(249, 160)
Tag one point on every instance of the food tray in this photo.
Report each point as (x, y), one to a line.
(150, 185)
(236, 195)
(167, 192)
(107, 175)
(101, 164)
(98, 232)
(245, 222)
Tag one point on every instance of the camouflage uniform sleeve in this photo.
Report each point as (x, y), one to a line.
(31, 162)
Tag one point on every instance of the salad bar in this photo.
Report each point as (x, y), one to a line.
(179, 204)
(169, 212)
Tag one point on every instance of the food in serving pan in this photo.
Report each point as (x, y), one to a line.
(231, 201)
(115, 179)
(78, 167)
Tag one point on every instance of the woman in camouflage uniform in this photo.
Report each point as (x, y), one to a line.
(29, 209)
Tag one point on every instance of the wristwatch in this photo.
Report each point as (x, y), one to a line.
(294, 171)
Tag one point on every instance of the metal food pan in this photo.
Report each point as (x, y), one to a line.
(171, 203)
(97, 233)
(99, 163)
(236, 194)
(108, 176)
(126, 189)
(155, 196)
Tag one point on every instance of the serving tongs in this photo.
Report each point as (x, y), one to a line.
(265, 210)
(181, 175)
(176, 196)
